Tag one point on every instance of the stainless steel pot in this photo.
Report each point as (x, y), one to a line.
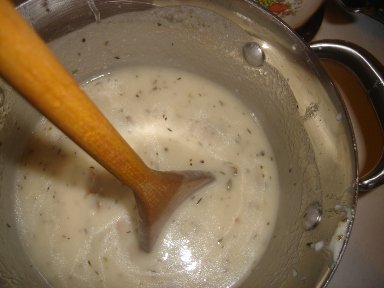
(258, 58)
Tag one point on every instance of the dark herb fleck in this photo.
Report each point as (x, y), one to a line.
(106, 43)
(8, 225)
(235, 171)
(89, 263)
(198, 201)
(169, 129)
(45, 6)
(83, 40)
(66, 237)
(117, 57)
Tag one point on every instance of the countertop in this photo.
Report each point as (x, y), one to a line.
(362, 265)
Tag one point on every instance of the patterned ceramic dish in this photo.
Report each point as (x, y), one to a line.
(294, 12)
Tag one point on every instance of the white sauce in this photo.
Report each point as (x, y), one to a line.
(79, 224)
(337, 242)
(338, 239)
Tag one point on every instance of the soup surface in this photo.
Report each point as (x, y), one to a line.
(79, 224)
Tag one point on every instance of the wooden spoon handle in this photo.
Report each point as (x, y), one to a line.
(28, 65)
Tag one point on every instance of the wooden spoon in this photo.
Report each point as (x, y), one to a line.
(28, 65)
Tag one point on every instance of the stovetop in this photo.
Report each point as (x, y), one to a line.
(362, 265)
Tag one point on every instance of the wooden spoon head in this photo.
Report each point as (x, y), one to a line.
(160, 197)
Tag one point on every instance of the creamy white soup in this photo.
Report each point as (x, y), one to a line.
(79, 224)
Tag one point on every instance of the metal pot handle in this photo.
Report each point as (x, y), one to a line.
(371, 74)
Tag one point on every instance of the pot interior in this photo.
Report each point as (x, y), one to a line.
(290, 96)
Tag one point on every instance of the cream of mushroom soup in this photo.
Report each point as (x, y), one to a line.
(79, 224)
